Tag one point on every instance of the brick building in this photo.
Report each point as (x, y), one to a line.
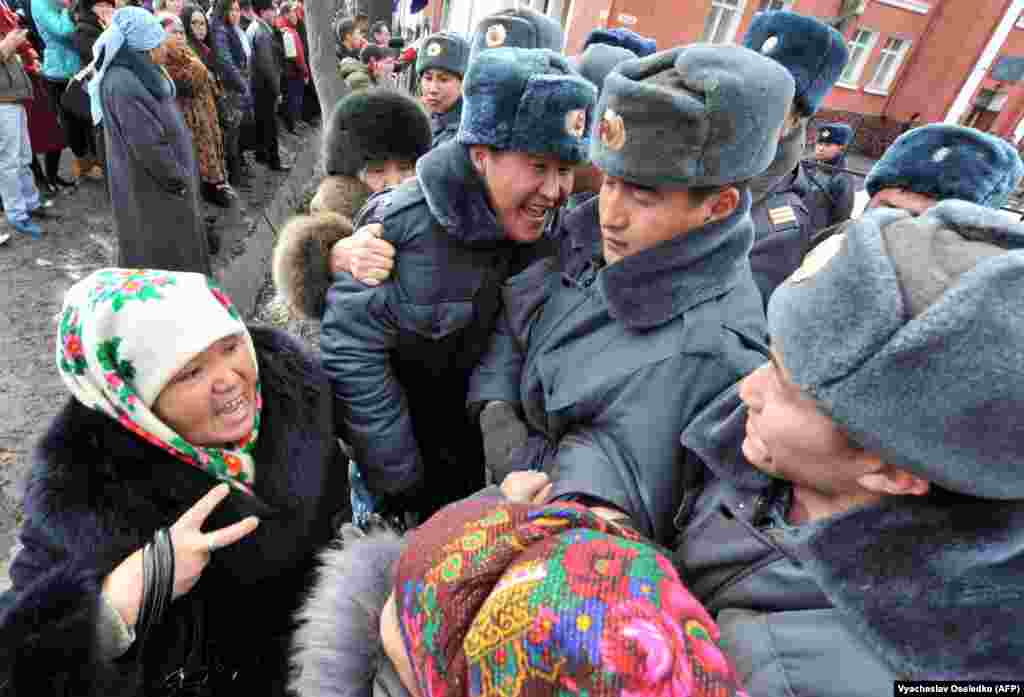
(912, 61)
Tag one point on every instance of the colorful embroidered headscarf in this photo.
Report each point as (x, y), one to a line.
(521, 600)
(124, 333)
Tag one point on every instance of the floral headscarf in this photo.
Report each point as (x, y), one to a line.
(124, 333)
(522, 600)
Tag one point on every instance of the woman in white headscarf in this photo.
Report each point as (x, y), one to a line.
(154, 180)
(141, 573)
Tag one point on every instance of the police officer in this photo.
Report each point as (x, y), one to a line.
(605, 359)
(815, 54)
(830, 199)
(440, 65)
(400, 354)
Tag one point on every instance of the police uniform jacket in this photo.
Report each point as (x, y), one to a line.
(444, 127)
(782, 231)
(830, 195)
(400, 355)
(609, 363)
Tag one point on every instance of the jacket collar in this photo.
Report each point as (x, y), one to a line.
(656, 285)
(452, 116)
(457, 196)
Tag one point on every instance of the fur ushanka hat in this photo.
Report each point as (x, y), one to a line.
(835, 134)
(516, 28)
(528, 101)
(443, 51)
(374, 124)
(949, 162)
(622, 38)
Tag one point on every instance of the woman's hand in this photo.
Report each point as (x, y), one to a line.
(123, 587)
(526, 487)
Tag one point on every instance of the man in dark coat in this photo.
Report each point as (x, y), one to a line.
(814, 54)
(831, 194)
(825, 465)
(154, 181)
(608, 356)
(400, 354)
(267, 69)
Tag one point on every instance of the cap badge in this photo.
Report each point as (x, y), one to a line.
(826, 133)
(612, 130)
(434, 49)
(576, 123)
(940, 154)
(496, 35)
(818, 258)
(769, 45)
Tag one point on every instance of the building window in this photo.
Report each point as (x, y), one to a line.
(723, 21)
(860, 46)
(893, 53)
(767, 5)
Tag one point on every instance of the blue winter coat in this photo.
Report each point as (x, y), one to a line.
(232, 62)
(782, 233)
(60, 57)
(400, 355)
(610, 363)
(445, 127)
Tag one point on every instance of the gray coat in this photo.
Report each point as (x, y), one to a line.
(610, 363)
(153, 177)
(912, 587)
(830, 195)
(445, 127)
(782, 232)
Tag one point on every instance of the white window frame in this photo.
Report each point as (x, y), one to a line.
(891, 60)
(722, 7)
(921, 8)
(858, 59)
(786, 5)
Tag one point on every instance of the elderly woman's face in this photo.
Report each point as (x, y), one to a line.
(211, 401)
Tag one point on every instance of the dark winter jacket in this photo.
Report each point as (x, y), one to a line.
(98, 492)
(445, 127)
(87, 30)
(232, 63)
(400, 354)
(912, 587)
(610, 363)
(830, 194)
(154, 182)
(267, 58)
(782, 232)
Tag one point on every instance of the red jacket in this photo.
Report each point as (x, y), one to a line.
(296, 64)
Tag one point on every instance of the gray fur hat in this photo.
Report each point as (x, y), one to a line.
(516, 28)
(374, 124)
(699, 115)
(528, 101)
(443, 51)
(600, 59)
(908, 331)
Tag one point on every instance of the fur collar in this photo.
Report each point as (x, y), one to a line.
(457, 196)
(934, 585)
(95, 482)
(337, 647)
(657, 285)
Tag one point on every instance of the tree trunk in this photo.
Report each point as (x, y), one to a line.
(323, 58)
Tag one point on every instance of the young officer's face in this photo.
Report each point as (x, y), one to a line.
(440, 90)
(523, 187)
(635, 218)
(827, 151)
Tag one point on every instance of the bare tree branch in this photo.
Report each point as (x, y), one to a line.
(323, 59)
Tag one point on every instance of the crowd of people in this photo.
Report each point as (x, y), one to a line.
(210, 85)
(612, 396)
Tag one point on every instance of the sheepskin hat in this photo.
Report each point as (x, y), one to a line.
(443, 51)
(622, 38)
(516, 28)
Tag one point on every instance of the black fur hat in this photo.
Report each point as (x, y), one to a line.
(374, 124)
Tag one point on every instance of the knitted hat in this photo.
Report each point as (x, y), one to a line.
(600, 59)
(907, 331)
(517, 28)
(622, 38)
(444, 51)
(261, 5)
(835, 134)
(813, 52)
(374, 124)
(524, 600)
(692, 116)
(529, 101)
(949, 162)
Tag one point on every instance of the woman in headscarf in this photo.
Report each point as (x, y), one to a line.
(171, 396)
(153, 177)
(197, 98)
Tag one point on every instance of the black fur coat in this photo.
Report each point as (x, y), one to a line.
(97, 493)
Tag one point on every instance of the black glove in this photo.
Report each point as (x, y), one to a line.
(503, 433)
